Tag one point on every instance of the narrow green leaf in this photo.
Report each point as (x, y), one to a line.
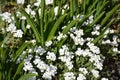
(20, 67)
(102, 32)
(71, 7)
(20, 50)
(93, 5)
(42, 21)
(95, 21)
(61, 42)
(27, 76)
(69, 26)
(84, 19)
(32, 24)
(97, 18)
(100, 7)
(109, 14)
(56, 25)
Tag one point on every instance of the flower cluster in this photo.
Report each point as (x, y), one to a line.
(67, 56)
(46, 58)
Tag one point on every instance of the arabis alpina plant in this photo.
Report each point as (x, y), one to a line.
(51, 40)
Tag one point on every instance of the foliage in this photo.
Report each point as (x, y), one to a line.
(56, 40)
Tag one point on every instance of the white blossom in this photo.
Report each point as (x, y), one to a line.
(11, 28)
(37, 3)
(83, 70)
(27, 66)
(95, 73)
(48, 43)
(6, 16)
(18, 33)
(51, 56)
(69, 64)
(39, 50)
(69, 76)
(56, 10)
(48, 2)
(81, 77)
(20, 1)
(51, 71)
(28, 26)
(104, 79)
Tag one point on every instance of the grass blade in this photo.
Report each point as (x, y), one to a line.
(26, 76)
(20, 50)
(42, 21)
(109, 14)
(69, 26)
(102, 32)
(20, 67)
(32, 24)
(56, 25)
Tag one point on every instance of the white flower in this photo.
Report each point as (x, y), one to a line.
(27, 66)
(37, 3)
(95, 73)
(69, 64)
(47, 75)
(23, 18)
(99, 65)
(33, 41)
(28, 9)
(115, 49)
(18, 33)
(28, 26)
(11, 28)
(95, 32)
(42, 66)
(104, 79)
(33, 13)
(37, 60)
(79, 52)
(97, 27)
(48, 2)
(60, 36)
(83, 70)
(6, 16)
(81, 77)
(69, 76)
(51, 71)
(40, 50)
(93, 48)
(56, 10)
(20, 1)
(51, 56)
(63, 50)
(79, 32)
(48, 43)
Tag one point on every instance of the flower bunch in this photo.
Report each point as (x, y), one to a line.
(50, 41)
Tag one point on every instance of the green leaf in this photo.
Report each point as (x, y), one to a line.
(26, 76)
(69, 26)
(95, 21)
(100, 7)
(20, 67)
(56, 25)
(93, 5)
(61, 42)
(32, 24)
(20, 50)
(84, 19)
(42, 21)
(108, 15)
(102, 32)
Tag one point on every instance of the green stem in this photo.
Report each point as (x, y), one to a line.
(42, 21)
